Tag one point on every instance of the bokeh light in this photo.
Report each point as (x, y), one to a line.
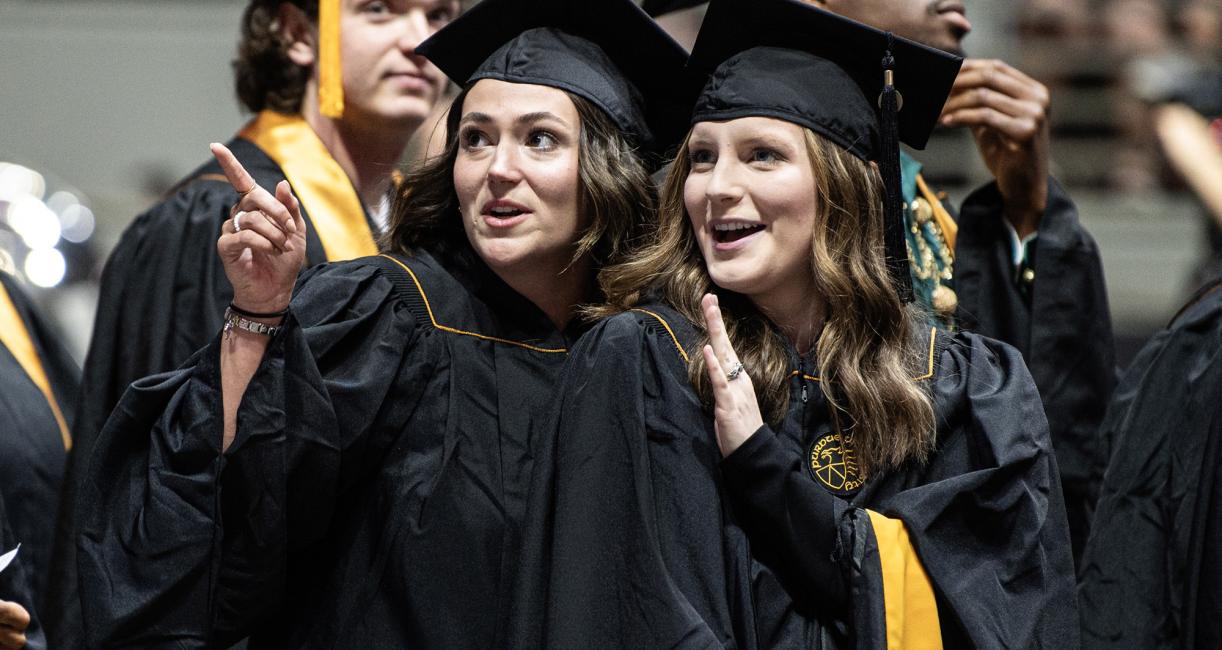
(42, 238)
(78, 223)
(45, 267)
(17, 181)
(38, 226)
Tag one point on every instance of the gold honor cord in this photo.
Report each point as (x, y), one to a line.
(15, 337)
(335, 211)
(950, 229)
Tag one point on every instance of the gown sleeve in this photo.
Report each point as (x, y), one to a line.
(1058, 318)
(609, 562)
(179, 542)
(970, 549)
(163, 292)
(1151, 574)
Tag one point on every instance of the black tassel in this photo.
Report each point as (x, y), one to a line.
(889, 165)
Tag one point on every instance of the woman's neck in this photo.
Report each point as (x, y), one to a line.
(798, 311)
(556, 289)
(367, 150)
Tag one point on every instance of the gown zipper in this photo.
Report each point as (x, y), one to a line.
(802, 378)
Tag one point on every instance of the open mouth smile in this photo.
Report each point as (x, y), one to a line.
(732, 231)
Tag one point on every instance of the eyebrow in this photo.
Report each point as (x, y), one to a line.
(528, 118)
(776, 142)
(763, 140)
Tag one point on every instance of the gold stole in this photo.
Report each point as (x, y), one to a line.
(15, 337)
(335, 212)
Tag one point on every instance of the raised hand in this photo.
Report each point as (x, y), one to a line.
(736, 413)
(262, 246)
(13, 622)
(1007, 112)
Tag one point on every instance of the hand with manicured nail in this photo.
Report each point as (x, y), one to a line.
(736, 412)
(262, 246)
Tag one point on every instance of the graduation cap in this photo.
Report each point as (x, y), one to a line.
(863, 89)
(656, 8)
(606, 51)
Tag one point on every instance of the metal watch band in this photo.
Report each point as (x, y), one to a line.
(233, 320)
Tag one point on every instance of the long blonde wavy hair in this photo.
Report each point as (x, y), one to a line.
(868, 349)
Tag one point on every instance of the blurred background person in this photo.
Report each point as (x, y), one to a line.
(1151, 575)
(337, 91)
(38, 385)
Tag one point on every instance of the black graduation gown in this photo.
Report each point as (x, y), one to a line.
(1151, 576)
(163, 293)
(1059, 321)
(15, 583)
(373, 493)
(32, 447)
(649, 540)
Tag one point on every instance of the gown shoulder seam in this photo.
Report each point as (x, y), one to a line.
(674, 339)
(426, 311)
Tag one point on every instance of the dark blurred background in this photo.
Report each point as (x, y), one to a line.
(104, 104)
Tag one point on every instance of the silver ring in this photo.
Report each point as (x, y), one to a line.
(735, 371)
(237, 219)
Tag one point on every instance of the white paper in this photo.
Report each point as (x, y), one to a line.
(7, 558)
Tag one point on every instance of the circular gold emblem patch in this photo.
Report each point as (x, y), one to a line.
(835, 466)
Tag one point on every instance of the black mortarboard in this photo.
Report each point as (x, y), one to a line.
(656, 8)
(607, 51)
(796, 62)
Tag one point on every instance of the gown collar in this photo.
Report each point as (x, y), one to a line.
(507, 311)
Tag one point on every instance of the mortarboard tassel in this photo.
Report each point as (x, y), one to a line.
(895, 242)
(330, 72)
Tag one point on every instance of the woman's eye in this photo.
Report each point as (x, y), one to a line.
(377, 7)
(701, 157)
(440, 16)
(473, 139)
(765, 156)
(541, 140)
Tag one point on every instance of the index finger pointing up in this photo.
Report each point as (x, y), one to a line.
(238, 177)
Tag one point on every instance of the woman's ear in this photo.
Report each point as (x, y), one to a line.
(297, 34)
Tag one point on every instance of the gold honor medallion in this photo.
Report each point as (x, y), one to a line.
(835, 466)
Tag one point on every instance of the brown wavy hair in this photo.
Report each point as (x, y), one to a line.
(869, 349)
(264, 75)
(614, 191)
